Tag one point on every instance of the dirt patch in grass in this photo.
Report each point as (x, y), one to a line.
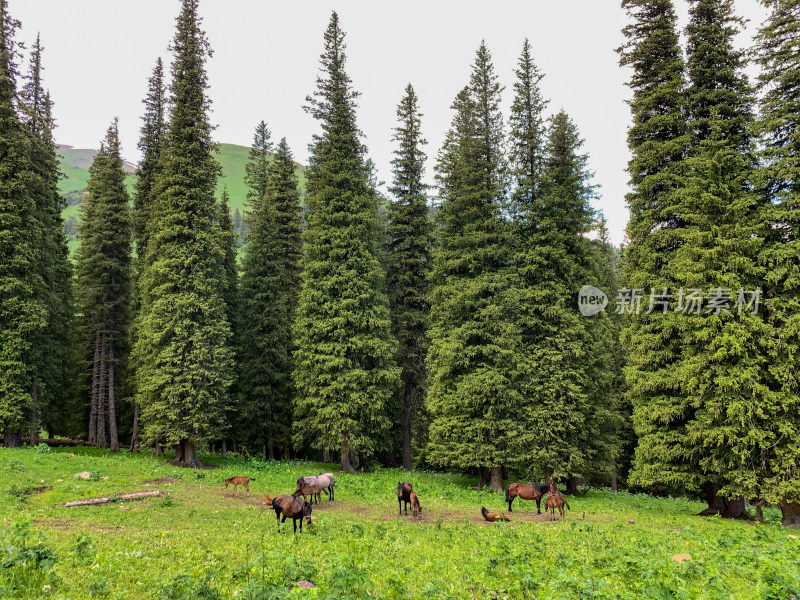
(55, 523)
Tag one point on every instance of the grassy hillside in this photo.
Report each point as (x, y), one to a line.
(75, 164)
(202, 542)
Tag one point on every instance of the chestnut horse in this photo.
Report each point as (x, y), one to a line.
(526, 492)
(555, 501)
(404, 490)
(492, 517)
(416, 509)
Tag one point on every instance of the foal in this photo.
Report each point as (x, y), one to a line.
(312, 490)
(492, 517)
(416, 509)
(555, 500)
(237, 481)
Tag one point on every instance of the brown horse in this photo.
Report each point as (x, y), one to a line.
(492, 517)
(416, 509)
(555, 501)
(314, 490)
(404, 490)
(526, 492)
(293, 508)
(237, 481)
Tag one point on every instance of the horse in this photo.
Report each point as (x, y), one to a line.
(267, 499)
(555, 500)
(492, 517)
(293, 508)
(237, 481)
(312, 490)
(404, 490)
(526, 492)
(416, 509)
(324, 480)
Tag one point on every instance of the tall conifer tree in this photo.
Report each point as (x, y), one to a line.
(343, 363)
(54, 350)
(182, 349)
(473, 396)
(553, 261)
(408, 248)
(104, 286)
(777, 454)
(22, 314)
(658, 140)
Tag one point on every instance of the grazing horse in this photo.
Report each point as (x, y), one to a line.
(239, 480)
(404, 490)
(312, 490)
(416, 509)
(493, 516)
(324, 480)
(293, 508)
(526, 492)
(555, 501)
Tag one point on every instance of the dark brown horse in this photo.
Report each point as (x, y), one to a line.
(526, 492)
(293, 508)
(555, 501)
(404, 490)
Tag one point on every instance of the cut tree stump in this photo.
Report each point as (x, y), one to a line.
(114, 498)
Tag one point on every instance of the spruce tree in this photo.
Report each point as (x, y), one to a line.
(182, 349)
(527, 138)
(343, 362)
(777, 453)
(152, 138)
(258, 164)
(473, 396)
(53, 349)
(22, 314)
(265, 407)
(658, 140)
(104, 286)
(553, 261)
(408, 252)
(723, 356)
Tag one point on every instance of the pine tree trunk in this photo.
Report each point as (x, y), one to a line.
(483, 477)
(408, 417)
(791, 514)
(496, 479)
(572, 485)
(12, 438)
(179, 453)
(614, 483)
(102, 401)
(135, 433)
(93, 409)
(190, 459)
(159, 449)
(35, 402)
(224, 449)
(269, 447)
(326, 455)
(736, 509)
(716, 504)
(112, 409)
(346, 465)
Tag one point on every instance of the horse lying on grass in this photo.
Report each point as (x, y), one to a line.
(324, 480)
(492, 517)
(526, 492)
(291, 507)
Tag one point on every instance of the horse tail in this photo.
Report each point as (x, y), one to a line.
(566, 503)
(484, 513)
(508, 496)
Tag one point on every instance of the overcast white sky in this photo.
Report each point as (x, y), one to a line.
(99, 54)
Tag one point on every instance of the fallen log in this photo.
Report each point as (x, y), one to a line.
(114, 498)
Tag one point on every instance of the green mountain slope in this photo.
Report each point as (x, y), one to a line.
(75, 164)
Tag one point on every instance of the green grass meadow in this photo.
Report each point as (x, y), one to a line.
(202, 542)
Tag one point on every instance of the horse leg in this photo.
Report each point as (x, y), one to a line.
(509, 503)
(539, 505)
(400, 507)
